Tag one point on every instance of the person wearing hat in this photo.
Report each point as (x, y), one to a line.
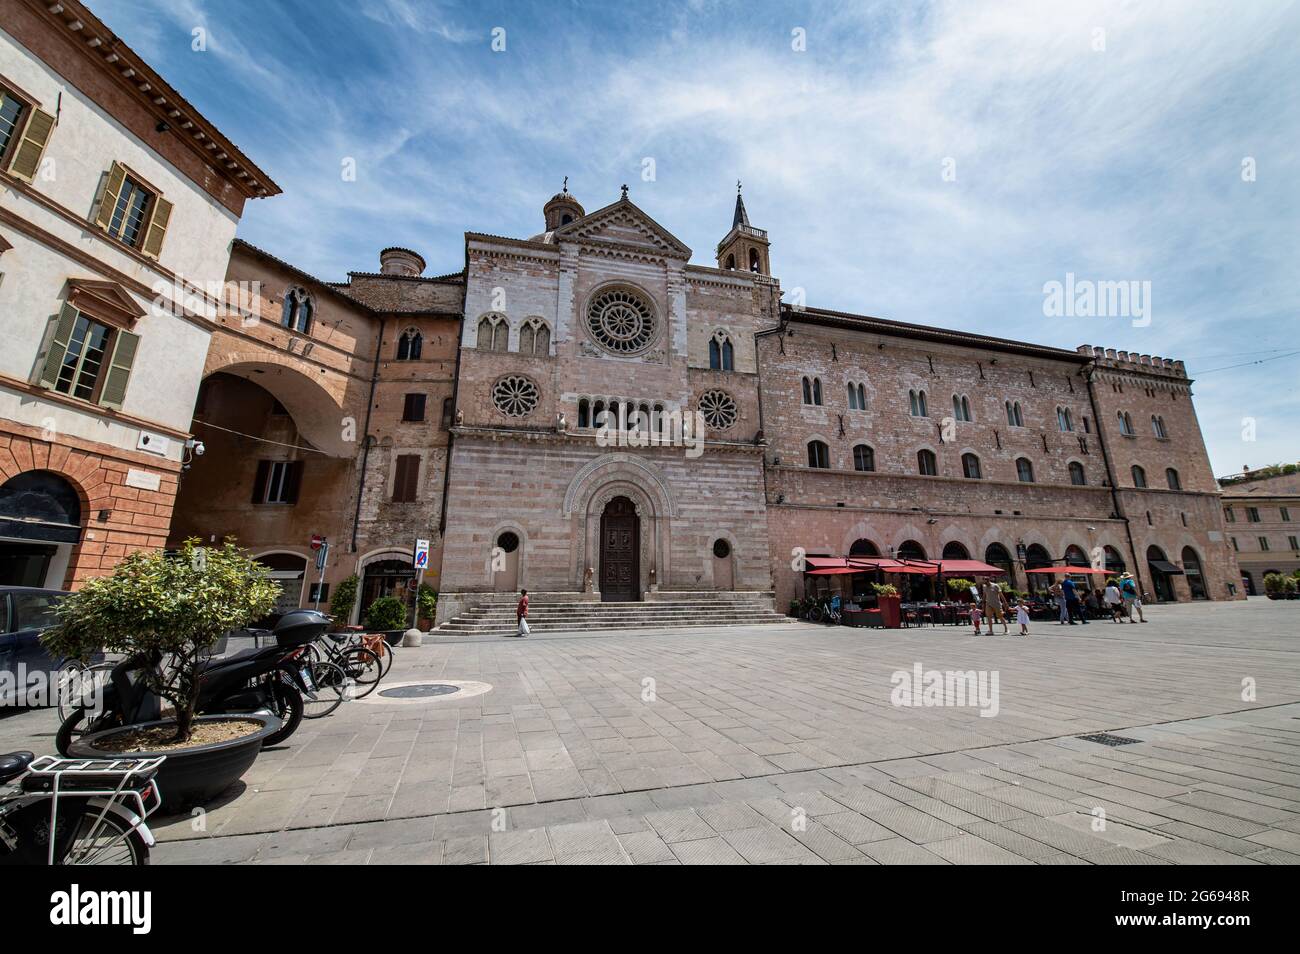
(1132, 601)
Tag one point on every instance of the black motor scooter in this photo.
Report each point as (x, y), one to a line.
(266, 679)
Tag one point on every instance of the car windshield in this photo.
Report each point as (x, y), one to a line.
(36, 610)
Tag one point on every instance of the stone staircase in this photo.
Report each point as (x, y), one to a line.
(555, 614)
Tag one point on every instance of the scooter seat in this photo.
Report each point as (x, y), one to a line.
(233, 658)
(14, 764)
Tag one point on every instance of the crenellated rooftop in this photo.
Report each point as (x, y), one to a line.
(1132, 361)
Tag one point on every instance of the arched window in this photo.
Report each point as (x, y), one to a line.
(995, 554)
(807, 391)
(584, 413)
(960, 407)
(1139, 476)
(535, 338)
(927, 465)
(812, 391)
(970, 466)
(1171, 478)
(817, 391)
(298, 310)
(448, 407)
(955, 550)
(1077, 476)
(918, 404)
(857, 396)
(753, 260)
(863, 547)
(911, 550)
(1195, 578)
(1158, 427)
(1114, 562)
(1014, 417)
(1024, 470)
(722, 356)
(864, 458)
(1063, 419)
(1075, 556)
(409, 345)
(819, 455)
(1125, 424)
(731, 261)
(493, 333)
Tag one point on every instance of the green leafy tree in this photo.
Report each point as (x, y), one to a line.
(169, 607)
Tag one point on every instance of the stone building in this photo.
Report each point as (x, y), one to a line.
(591, 416)
(325, 410)
(1261, 513)
(118, 202)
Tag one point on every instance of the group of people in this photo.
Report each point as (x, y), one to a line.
(1121, 599)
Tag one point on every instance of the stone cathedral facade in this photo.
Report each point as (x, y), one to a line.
(747, 429)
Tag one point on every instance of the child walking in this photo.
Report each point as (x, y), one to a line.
(975, 617)
(1022, 617)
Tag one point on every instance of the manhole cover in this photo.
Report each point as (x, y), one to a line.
(421, 691)
(1105, 738)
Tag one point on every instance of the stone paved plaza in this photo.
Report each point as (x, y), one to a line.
(780, 744)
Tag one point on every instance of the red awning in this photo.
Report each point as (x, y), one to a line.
(1068, 570)
(972, 567)
(833, 571)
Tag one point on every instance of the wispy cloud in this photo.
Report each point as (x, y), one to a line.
(1104, 139)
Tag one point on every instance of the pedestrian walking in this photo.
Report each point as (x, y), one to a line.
(1072, 605)
(993, 606)
(975, 616)
(1022, 616)
(521, 613)
(1113, 600)
(1132, 601)
(1058, 597)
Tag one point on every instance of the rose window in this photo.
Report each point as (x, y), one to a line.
(515, 396)
(621, 321)
(719, 409)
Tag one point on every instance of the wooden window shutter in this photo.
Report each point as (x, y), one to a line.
(406, 478)
(113, 393)
(31, 145)
(108, 201)
(259, 482)
(292, 482)
(63, 327)
(153, 239)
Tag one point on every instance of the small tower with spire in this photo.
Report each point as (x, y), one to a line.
(562, 209)
(745, 248)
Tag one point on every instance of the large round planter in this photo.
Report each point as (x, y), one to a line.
(191, 776)
(393, 636)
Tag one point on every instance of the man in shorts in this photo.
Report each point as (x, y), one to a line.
(993, 606)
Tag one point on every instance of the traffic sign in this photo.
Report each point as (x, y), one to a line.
(316, 541)
(421, 560)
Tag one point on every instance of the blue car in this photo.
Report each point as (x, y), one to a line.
(25, 613)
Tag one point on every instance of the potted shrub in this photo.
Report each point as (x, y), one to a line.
(426, 601)
(172, 607)
(1274, 586)
(960, 589)
(387, 615)
(891, 614)
(345, 597)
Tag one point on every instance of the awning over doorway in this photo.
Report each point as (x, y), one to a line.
(971, 567)
(1068, 570)
(1164, 566)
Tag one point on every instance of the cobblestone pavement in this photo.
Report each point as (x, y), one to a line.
(781, 744)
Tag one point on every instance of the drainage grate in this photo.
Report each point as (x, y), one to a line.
(419, 692)
(1105, 738)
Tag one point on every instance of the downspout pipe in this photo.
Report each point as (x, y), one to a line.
(365, 431)
(1088, 372)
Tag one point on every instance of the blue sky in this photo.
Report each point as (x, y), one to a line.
(1114, 155)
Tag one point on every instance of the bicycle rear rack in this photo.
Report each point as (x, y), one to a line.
(123, 771)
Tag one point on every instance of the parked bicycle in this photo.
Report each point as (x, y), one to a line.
(57, 811)
(359, 663)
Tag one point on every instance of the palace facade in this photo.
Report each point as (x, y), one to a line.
(740, 432)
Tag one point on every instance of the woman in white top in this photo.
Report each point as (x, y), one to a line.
(1113, 600)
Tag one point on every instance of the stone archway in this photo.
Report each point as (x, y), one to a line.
(592, 488)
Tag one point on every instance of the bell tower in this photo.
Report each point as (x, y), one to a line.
(562, 209)
(745, 248)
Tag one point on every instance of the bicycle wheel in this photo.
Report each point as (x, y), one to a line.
(69, 687)
(110, 842)
(363, 667)
(386, 656)
(328, 688)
